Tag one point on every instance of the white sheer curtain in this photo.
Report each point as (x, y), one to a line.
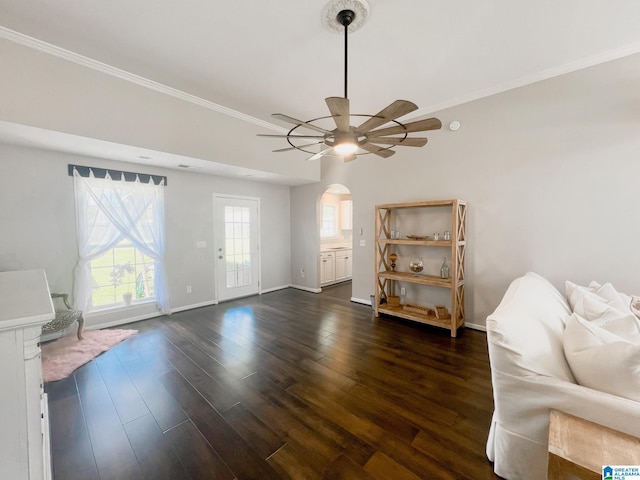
(109, 211)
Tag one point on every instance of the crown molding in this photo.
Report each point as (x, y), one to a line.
(566, 68)
(70, 56)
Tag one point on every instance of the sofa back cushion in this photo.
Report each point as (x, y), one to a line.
(525, 332)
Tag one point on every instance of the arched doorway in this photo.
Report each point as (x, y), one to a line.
(335, 230)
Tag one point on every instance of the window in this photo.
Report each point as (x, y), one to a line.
(329, 221)
(121, 270)
(120, 228)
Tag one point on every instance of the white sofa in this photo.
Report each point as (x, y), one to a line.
(531, 376)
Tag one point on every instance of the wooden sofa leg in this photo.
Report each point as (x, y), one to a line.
(80, 327)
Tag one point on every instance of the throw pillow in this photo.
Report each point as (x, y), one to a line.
(605, 306)
(611, 295)
(602, 360)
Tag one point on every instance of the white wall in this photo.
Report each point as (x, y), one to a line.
(550, 172)
(37, 219)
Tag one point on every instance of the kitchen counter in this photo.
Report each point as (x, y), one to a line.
(328, 248)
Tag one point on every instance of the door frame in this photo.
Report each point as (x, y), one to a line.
(216, 197)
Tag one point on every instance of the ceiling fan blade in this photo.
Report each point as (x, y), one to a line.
(419, 126)
(297, 148)
(382, 152)
(393, 111)
(321, 153)
(406, 142)
(339, 108)
(289, 136)
(300, 123)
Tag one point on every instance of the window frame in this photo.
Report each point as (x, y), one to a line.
(325, 233)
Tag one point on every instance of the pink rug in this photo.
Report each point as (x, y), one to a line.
(61, 357)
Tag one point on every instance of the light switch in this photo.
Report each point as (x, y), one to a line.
(201, 244)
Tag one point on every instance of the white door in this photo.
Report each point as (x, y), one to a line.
(236, 233)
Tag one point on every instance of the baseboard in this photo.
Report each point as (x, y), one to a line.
(360, 300)
(306, 289)
(274, 289)
(475, 326)
(208, 303)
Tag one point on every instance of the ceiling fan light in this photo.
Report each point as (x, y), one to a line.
(345, 148)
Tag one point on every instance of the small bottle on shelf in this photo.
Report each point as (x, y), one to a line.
(444, 270)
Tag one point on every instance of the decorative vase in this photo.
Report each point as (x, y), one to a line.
(416, 266)
(393, 257)
(126, 297)
(444, 270)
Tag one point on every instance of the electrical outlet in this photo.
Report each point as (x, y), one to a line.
(363, 243)
(302, 272)
(188, 288)
(402, 291)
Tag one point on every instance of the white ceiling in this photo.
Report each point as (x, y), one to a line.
(258, 57)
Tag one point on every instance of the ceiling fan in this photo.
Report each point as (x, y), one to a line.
(348, 141)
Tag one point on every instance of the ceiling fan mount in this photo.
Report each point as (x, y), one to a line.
(345, 17)
(346, 140)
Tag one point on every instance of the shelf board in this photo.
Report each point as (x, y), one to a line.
(417, 317)
(432, 243)
(421, 279)
(429, 203)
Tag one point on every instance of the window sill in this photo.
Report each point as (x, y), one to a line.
(120, 307)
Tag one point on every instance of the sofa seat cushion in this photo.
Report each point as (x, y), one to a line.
(602, 359)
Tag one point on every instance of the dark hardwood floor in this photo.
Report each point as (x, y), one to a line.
(287, 385)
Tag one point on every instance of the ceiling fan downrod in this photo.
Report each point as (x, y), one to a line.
(345, 17)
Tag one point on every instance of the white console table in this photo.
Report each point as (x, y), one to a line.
(25, 305)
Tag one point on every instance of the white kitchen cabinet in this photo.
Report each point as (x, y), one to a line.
(25, 305)
(327, 267)
(344, 262)
(336, 265)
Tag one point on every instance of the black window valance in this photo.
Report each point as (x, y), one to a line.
(116, 174)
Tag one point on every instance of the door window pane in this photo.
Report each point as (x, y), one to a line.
(238, 244)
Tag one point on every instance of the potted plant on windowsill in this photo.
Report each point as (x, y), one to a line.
(118, 274)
